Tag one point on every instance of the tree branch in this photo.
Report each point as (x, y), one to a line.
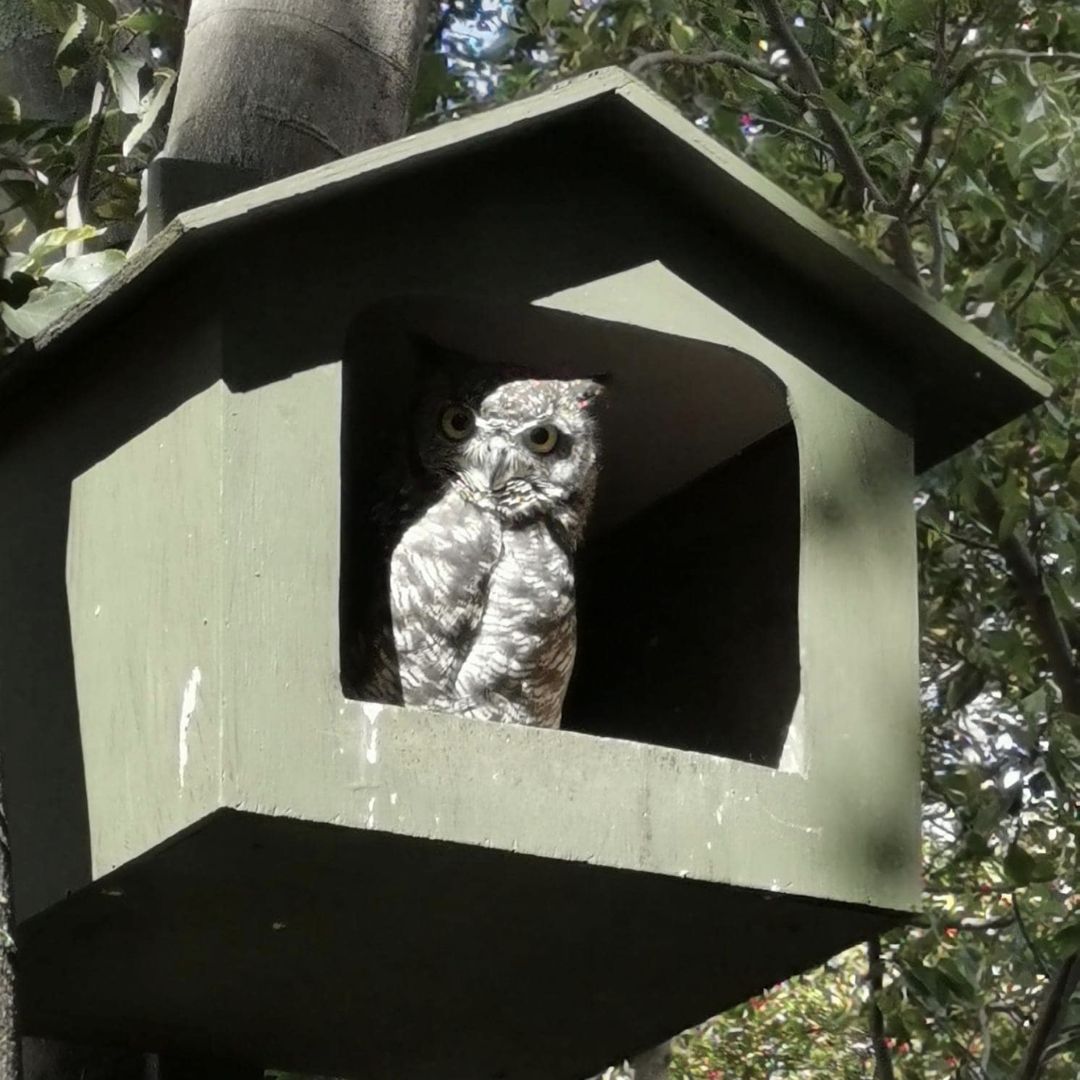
(914, 171)
(716, 56)
(1016, 56)
(957, 538)
(1036, 952)
(964, 924)
(78, 205)
(10, 1052)
(937, 248)
(1037, 276)
(1027, 578)
(848, 159)
(934, 180)
(1055, 1002)
(883, 1068)
(799, 133)
(847, 156)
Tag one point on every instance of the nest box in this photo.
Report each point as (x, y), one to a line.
(218, 849)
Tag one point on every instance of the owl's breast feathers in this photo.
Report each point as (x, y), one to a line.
(438, 580)
(483, 613)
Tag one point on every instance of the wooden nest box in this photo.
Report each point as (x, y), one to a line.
(217, 849)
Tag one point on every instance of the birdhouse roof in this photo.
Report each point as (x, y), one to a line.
(964, 384)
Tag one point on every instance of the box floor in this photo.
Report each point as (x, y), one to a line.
(365, 954)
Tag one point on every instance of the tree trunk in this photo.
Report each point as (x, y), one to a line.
(270, 89)
(27, 49)
(10, 1058)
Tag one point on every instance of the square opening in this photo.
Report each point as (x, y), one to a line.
(687, 579)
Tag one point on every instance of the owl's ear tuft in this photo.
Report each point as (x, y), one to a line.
(587, 392)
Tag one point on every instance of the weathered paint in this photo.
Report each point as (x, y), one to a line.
(187, 711)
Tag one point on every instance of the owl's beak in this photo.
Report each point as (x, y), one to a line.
(499, 466)
(491, 463)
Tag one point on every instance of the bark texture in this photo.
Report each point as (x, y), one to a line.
(276, 86)
(27, 49)
(10, 1059)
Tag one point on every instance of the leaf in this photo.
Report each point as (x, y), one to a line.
(10, 111)
(103, 9)
(837, 105)
(907, 14)
(1014, 507)
(56, 14)
(150, 107)
(1051, 174)
(680, 35)
(44, 307)
(1019, 865)
(928, 983)
(151, 22)
(124, 77)
(87, 271)
(636, 20)
(557, 10)
(958, 981)
(1023, 868)
(1067, 940)
(1037, 109)
(54, 239)
(72, 33)
(538, 11)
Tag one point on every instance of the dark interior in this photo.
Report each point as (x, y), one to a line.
(689, 614)
(688, 576)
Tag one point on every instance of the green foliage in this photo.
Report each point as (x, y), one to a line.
(71, 184)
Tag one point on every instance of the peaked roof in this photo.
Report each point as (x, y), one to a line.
(967, 381)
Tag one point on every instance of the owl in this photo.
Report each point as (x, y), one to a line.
(477, 616)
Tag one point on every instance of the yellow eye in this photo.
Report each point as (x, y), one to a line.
(542, 439)
(456, 422)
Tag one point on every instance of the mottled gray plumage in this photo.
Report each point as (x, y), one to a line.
(480, 539)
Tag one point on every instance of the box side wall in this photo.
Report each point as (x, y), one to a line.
(860, 634)
(144, 589)
(88, 573)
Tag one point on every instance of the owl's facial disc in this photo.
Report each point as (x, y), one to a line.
(495, 462)
(526, 449)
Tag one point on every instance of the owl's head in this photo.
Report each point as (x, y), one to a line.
(526, 448)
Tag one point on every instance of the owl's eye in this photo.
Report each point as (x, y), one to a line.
(542, 439)
(456, 422)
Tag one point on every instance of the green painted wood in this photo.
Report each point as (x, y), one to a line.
(353, 953)
(50, 596)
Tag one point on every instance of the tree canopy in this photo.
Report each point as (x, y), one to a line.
(945, 137)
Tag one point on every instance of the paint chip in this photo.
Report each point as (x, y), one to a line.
(187, 710)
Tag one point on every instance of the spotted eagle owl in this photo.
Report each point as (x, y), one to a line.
(478, 615)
